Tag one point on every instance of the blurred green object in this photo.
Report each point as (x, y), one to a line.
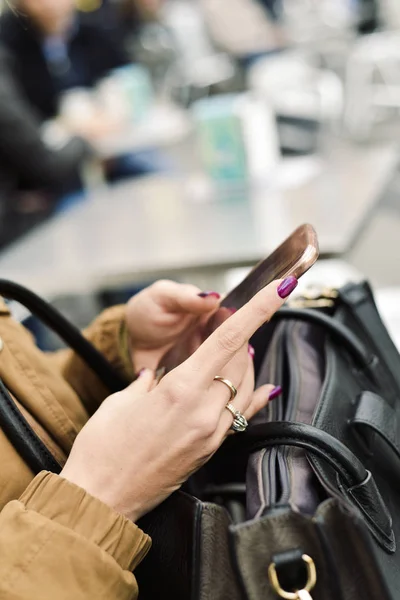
(220, 138)
(137, 87)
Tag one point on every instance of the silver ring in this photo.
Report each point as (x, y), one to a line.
(239, 421)
(229, 385)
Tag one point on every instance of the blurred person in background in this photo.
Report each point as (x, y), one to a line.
(32, 174)
(123, 19)
(135, 13)
(53, 48)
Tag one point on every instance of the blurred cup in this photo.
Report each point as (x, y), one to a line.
(77, 107)
(237, 138)
(136, 88)
(112, 99)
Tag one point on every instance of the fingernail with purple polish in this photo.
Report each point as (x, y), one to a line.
(251, 351)
(277, 391)
(287, 286)
(209, 295)
(232, 310)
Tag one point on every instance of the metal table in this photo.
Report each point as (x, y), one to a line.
(160, 226)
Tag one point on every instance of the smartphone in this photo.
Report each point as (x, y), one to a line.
(294, 257)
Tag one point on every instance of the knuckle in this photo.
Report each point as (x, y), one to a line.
(230, 340)
(262, 313)
(161, 285)
(176, 390)
(205, 425)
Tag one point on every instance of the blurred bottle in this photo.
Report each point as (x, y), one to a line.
(128, 91)
(76, 107)
(154, 48)
(237, 139)
(185, 21)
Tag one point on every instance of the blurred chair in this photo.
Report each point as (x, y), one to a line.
(372, 82)
(198, 67)
(247, 29)
(390, 13)
(317, 21)
(307, 100)
(296, 88)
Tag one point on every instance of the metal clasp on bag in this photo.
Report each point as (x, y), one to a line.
(315, 297)
(303, 594)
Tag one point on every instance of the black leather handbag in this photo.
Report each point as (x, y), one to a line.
(306, 503)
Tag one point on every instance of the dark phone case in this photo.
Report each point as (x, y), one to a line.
(294, 257)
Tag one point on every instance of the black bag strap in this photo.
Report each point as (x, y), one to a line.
(355, 482)
(66, 331)
(286, 433)
(371, 365)
(341, 333)
(21, 435)
(24, 439)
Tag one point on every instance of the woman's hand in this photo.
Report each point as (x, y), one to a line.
(158, 316)
(145, 441)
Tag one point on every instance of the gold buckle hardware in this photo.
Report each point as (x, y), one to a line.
(303, 594)
(315, 297)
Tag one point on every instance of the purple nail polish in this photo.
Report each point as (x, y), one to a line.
(251, 351)
(232, 310)
(287, 286)
(210, 295)
(277, 391)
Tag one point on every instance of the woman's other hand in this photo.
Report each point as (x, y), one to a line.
(159, 315)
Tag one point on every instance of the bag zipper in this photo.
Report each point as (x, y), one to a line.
(280, 460)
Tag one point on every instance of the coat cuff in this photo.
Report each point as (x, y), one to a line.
(110, 335)
(71, 506)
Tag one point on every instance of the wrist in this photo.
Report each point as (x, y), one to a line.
(103, 489)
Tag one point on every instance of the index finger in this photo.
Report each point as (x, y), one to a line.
(217, 350)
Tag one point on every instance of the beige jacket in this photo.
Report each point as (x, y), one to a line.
(56, 541)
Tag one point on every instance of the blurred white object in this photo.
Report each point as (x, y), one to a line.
(244, 28)
(81, 113)
(199, 64)
(390, 13)
(136, 89)
(54, 135)
(186, 23)
(166, 124)
(297, 89)
(112, 99)
(372, 82)
(313, 21)
(77, 106)
(126, 94)
(237, 138)
(388, 302)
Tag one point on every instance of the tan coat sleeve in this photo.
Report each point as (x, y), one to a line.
(57, 541)
(108, 334)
